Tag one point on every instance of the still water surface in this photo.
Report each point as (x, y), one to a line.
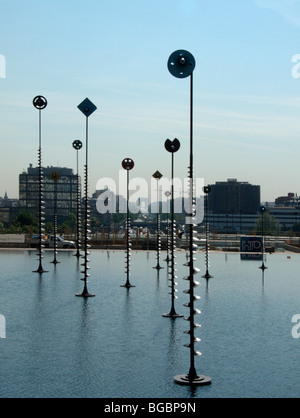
(119, 345)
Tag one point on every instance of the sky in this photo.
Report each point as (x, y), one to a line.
(246, 88)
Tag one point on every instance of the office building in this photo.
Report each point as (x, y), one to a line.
(66, 191)
(234, 198)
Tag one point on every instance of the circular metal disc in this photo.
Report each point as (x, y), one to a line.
(172, 146)
(262, 209)
(128, 164)
(181, 64)
(77, 144)
(40, 102)
(55, 176)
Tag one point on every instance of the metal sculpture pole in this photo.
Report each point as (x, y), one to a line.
(207, 190)
(172, 147)
(55, 177)
(262, 210)
(157, 175)
(181, 64)
(87, 108)
(77, 145)
(40, 103)
(168, 259)
(128, 165)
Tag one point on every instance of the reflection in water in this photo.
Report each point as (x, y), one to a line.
(173, 352)
(263, 279)
(118, 345)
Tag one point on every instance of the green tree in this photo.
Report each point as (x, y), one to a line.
(25, 223)
(49, 227)
(271, 224)
(296, 228)
(26, 219)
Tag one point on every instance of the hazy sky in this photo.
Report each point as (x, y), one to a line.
(247, 102)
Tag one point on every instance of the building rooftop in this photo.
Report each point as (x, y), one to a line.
(64, 171)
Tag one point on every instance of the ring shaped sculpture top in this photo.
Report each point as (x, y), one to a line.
(262, 209)
(172, 146)
(128, 164)
(207, 189)
(181, 64)
(40, 102)
(77, 145)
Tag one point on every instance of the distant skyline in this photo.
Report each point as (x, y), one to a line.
(145, 189)
(247, 93)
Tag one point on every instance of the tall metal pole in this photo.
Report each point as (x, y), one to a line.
(87, 108)
(181, 65)
(263, 247)
(172, 147)
(157, 175)
(128, 165)
(55, 177)
(207, 190)
(77, 145)
(40, 103)
(192, 376)
(168, 259)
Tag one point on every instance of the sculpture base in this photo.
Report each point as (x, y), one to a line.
(173, 316)
(207, 276)
(128, 286)
(40, 271)
(263, 267)
(183, 379)
(85, 295)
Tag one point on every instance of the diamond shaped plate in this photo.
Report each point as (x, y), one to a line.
(87, 107)
(157, 175)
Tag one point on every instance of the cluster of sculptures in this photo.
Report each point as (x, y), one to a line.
(181, 64)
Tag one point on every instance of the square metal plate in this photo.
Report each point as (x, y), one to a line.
(87, 107)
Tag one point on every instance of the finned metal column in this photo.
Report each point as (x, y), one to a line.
(87, 108)
(181, 64)
(55, 176)
(77, 145)
(207, 190)
(40, 103)
(128, 165)
(157, 175)
(172, 147)
(263, 210)
(168, 259)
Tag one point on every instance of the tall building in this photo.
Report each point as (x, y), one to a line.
(66, 191)
(234, 198)
(291, 199)
(8, 209)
